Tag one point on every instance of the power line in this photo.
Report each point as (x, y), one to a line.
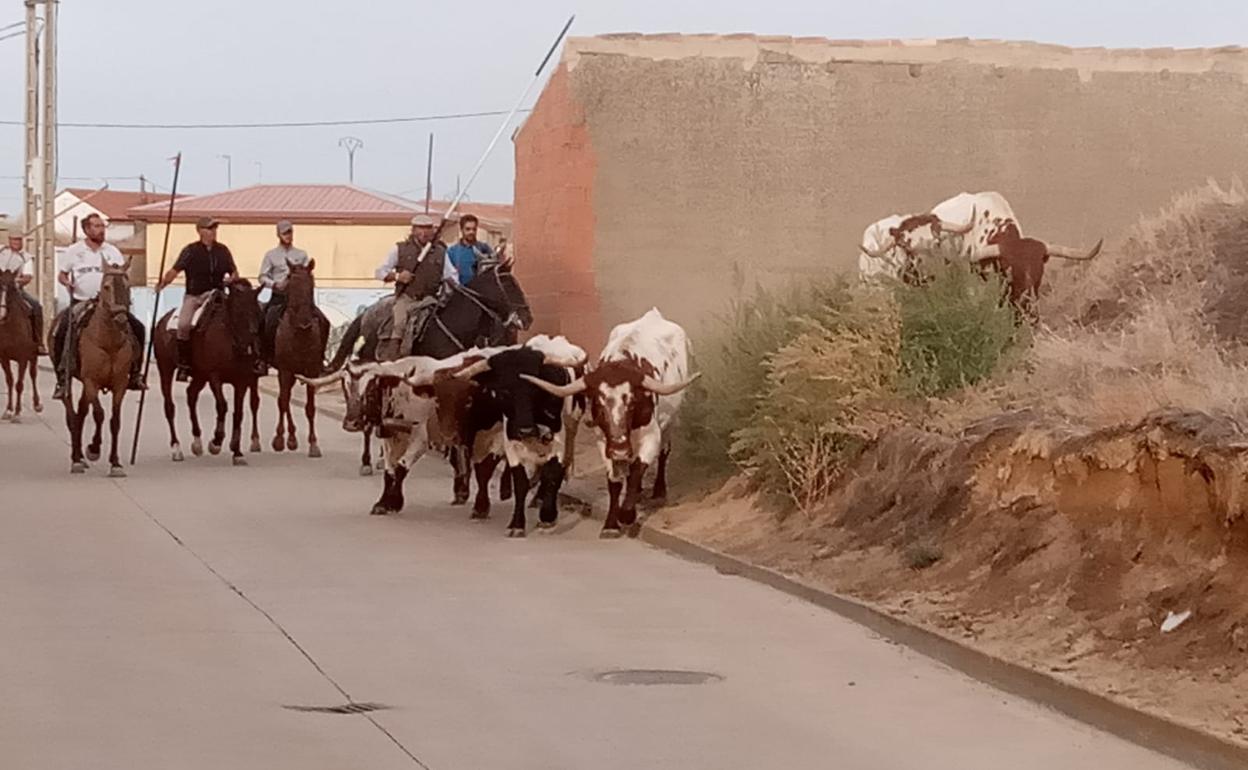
(286, 124)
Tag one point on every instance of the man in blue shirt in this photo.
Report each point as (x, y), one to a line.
(467, 254)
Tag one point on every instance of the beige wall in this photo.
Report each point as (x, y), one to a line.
(346, 255)
(719, 162)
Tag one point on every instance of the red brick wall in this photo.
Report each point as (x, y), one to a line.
(554, 217)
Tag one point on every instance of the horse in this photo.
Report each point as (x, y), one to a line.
(106, 347)
(299, 349)
(487, 312)
(17, 345)
(224, 349)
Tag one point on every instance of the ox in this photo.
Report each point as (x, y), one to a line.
(375, 397)
(992, 238)
(538, 429)
(634, 392)
(896, 245)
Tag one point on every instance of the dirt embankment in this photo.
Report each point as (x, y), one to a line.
(1065, 551)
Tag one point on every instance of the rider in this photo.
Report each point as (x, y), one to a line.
(81, 274)
(14, 260)
(417, 282)
(274, 271)
(209, 266)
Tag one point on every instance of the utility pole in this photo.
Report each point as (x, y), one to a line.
(429, 176)
(259, 171)
(229, 171)
(351, 144)
(47, 251)
(30, 176)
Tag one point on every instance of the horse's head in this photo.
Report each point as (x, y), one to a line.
(300, 284)
(498, 288)
(114, 297)
(242, 310)
(8, 285)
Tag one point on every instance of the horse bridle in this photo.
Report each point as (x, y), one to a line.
(513, 319)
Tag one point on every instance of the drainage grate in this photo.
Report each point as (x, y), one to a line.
(642, 676)
(347, 708)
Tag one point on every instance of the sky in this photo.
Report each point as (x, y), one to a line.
(154, 61)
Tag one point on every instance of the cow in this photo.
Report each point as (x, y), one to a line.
(538, 435)
(634, 392)
(896, 246)
(991, 238)
(397, 398)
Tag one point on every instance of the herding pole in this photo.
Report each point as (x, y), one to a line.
(151, 330)
(460, 195)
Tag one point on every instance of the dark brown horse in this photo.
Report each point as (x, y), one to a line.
(224, 348)
(17, 345)
(299, 349)
(106, 347)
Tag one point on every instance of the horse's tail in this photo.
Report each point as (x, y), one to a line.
(347, 345)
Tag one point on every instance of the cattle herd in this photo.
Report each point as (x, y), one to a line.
(520, 405)
(982, 229)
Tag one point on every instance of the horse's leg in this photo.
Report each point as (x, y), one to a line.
(218, 433)
(80, 421)
(97, 438)
(284, 385)
(309, 409)
(114, 428)
(20, 382)
(366, 460)
(236, 433)
(8, 384)
(34, 384)
(254, 393)
(292, 442)
(166, 392)
(192, 404)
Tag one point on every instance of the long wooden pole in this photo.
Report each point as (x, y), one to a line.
(151, 330)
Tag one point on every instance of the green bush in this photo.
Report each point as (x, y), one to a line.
(956, 329)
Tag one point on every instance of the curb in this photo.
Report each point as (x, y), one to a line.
(1180, 742)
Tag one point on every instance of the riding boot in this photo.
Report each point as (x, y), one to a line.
(183, 373)
(36, 323)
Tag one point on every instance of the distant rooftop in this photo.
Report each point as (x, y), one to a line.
(312, 204)
(116, 204)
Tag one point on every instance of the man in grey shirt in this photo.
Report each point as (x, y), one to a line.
(274, 271)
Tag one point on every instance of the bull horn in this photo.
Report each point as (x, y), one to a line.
(991, 251)
(563, 361)
(668, 389)
(321, 382)
(559, 391)
(1061, 252)
(955, 229)
(420, 380)
(479, 367)
(881, 252)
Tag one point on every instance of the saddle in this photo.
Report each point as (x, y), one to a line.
(393, 345)
(214, 297)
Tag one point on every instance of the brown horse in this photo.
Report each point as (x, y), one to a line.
(224, 348)
(106, 347)
(299, 349)
(17, 345)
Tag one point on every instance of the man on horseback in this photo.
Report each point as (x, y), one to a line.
(15, 260)
(81, 274)
(274, 273)
(417, 282)
(209, 267)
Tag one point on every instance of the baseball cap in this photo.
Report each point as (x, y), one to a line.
(423, 220)
(207, 223)
(284, 227)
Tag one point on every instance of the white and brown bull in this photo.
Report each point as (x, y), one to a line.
(634, 392)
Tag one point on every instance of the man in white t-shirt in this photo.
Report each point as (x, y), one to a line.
(15, 260)
(81, 274)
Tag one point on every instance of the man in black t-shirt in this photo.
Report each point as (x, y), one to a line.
(208, 265)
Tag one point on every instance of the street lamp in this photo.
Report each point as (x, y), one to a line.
(351, 144)
(229, 171)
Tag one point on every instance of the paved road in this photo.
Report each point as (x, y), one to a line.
(169, 619)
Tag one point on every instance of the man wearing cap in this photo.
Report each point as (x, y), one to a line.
(14, 260)
(416, 281)
(82, 274)
(274, 271)
(208, 265)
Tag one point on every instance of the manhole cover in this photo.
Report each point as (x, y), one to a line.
(657, 677)
(346, 708)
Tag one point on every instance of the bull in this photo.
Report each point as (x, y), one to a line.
(634, 392)
(538, 433)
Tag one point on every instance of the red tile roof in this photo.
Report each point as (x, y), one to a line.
(116, 204)
(311, 203)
